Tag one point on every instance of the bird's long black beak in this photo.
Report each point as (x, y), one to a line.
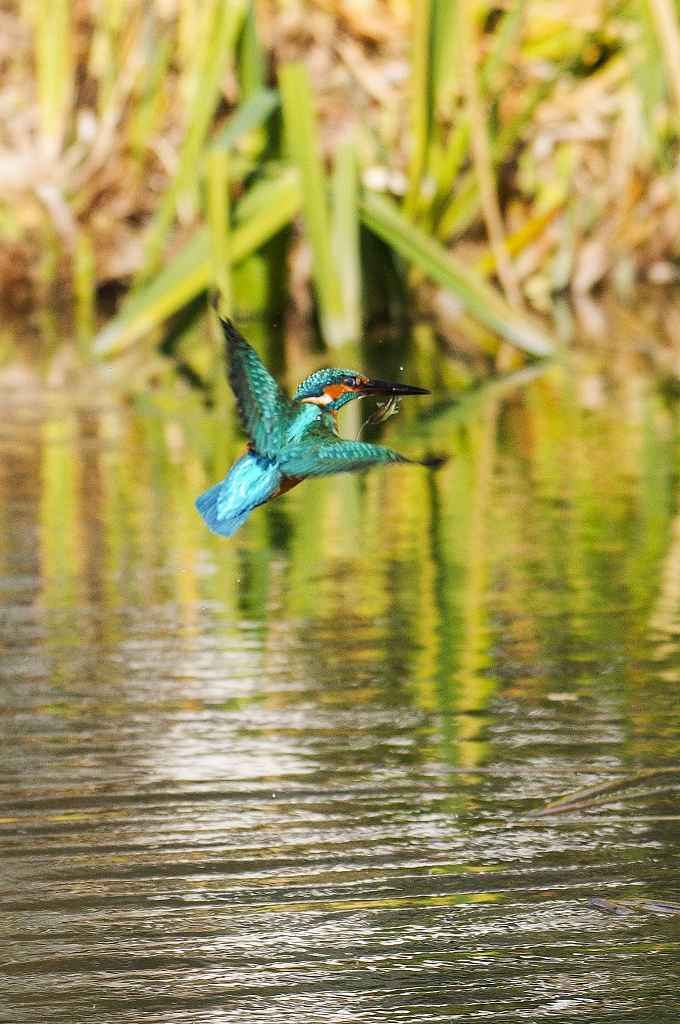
(386, 387)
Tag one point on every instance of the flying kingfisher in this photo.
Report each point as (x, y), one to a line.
(289, 440)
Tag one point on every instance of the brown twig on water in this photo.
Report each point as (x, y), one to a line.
(586, 796)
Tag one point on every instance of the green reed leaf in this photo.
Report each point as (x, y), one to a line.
(216, 55)
(303, 143)
(346, 230)
(477, 297)
(219, 223)
(191, 271)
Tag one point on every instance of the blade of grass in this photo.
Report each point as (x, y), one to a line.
(666, 24)
(218, 53)
(192, 32)
(531, 229)
(421, 102)
(445, 57)
(190, 272)
(107, 48)
(249, 115)
(303, 143)
(482, 301)
(146, 112)
(448, 153)
(120, 99)
(506, 35)
(84, 288)
(54, 47)
(346, 234)
(447, 145)
(251, 67)
(447, 158)
(219, 222)
(252, 64)
(464, 204)
(481, 153)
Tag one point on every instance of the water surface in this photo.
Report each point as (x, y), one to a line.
(290, 777)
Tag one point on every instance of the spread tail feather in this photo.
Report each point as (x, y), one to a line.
(208, 504)
(250, 482)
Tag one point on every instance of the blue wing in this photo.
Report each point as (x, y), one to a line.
(264, 409)
(322, 453)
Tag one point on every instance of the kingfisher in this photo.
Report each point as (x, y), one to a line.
(289, 440)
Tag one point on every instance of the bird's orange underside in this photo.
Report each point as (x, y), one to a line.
(287, 484)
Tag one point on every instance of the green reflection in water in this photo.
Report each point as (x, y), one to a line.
(536, 563)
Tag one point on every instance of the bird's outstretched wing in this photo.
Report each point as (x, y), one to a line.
(264, 409)
(322, 453)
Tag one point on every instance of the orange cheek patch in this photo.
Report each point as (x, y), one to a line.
(335, 390)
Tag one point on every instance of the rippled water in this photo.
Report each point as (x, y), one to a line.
(290, 777)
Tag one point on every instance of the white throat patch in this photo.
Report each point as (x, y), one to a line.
(318, 400)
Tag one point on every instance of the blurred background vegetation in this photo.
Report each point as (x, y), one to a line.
(342, 162)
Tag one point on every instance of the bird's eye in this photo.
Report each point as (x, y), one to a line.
(352, 382)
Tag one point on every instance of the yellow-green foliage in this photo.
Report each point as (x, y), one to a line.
(536, 142)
